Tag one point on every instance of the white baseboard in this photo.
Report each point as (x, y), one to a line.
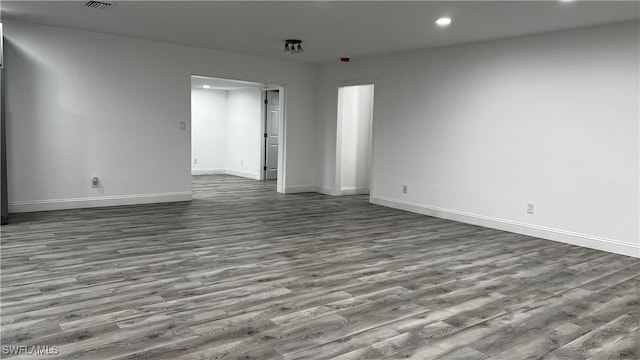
(208, 172)
(244, 174)
(588, 241)
(326, 191)
(343, 191)
(354, 191)
(296, 189)
(79, 203)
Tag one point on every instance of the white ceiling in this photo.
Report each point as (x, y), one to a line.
(329, 29)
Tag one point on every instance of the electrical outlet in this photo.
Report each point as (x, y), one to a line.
(95, 182)
(241, 162)
(530, 208)
(195, 161)
(404, 189)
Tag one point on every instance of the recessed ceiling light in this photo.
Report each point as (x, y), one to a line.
(443, 21)
(206, 86)
(567, 1)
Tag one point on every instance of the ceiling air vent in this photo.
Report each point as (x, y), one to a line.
(97, 4)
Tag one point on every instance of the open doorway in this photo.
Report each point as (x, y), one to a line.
(353, 140)
(230, 121)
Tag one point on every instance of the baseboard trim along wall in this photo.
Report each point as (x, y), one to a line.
(79, 203)
(343, 191)
(354, 191)
(244, 174)
(209, 172)
(296, 189)
(327, 191)
(588, 241)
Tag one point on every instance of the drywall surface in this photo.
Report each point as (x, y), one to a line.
(208, 131)
(477, 132)
(83, 104)
(355, 115)
(244, 130)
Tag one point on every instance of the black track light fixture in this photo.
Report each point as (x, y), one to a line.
(293, 46)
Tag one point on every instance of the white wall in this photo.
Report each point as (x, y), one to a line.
(83, 104)
(475, 131)
(244, 130)
(355, 115)
(478, 131)
(208, 131)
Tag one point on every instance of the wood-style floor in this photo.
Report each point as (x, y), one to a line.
(245, 273)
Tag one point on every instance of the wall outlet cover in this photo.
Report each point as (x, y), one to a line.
(530, 208)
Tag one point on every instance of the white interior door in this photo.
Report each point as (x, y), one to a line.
(271, 135)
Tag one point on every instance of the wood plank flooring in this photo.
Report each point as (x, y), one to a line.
(245, 273)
